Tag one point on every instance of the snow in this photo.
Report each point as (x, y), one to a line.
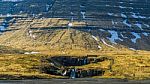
(110, 14)
(146, 34)
(131, 7)
(134, 15)
(125, 22)
(70, 25)
(122, 7)
(137, 36)
(95, 38)
(30, 31)
(132, 49)
(47, 7)
(116, 15)
(114, 36)
(121, 2)
(146, 25)
(30, 35)
(34, 36)
(99, 47)
(142, 17)
(107, 5)
(35, 52)
(123, 15)
(102, 30)
(137, 16)
(89, 30)
(27, 53)
(131, 3)
(123, 35)
(8, 15)
(64, 73)
(71, 13)
(2, 28)
(72, 19)
(82, 6)
(106, 43)
(112, 22)
(139, 25)
(83, 14)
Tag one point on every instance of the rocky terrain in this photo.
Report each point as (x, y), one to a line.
(125, 23)
(33, 29)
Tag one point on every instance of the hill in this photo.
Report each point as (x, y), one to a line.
(29, 39)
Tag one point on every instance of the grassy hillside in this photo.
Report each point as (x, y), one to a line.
(127, 64)
(131, 64)
(9, 50)
(19, 66)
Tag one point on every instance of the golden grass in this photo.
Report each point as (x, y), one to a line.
(22, 65)
(128, 64)
(131, 65)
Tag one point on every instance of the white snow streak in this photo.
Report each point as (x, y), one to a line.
(137, 36)
(123, 15)
(127, 24)
(139, 25)
(106, 43)
(95, 38)
(114, 36)
(146, 34)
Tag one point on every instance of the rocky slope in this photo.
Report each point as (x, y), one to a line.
(93, 24)
(78, 28)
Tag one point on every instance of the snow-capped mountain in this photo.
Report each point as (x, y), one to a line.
(100, 22)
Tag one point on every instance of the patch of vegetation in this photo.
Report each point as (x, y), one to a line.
(9, 50)
(20, 66)
(130, 66)
(14, 64)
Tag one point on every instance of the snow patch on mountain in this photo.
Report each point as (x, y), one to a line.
(106, 43)
(134, 15)
(123, 35)
(27, 53)
(102, 30)
(110, 14)
(146, 34)
(123, 15)
(2, 28)
(132, 49)
(95, 38)
(114, 36)
(137, 36)
(139, 25)
(127, 24)
(99, 47)
(83, 14)
(146, 25)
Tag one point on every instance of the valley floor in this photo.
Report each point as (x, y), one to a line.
(127, 64)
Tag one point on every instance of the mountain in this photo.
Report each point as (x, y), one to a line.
(95, 23)
(118, 29)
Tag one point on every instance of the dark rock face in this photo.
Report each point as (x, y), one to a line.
(25, 6)
(65, 66)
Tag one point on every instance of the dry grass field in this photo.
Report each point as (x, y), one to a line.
(15, 64)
